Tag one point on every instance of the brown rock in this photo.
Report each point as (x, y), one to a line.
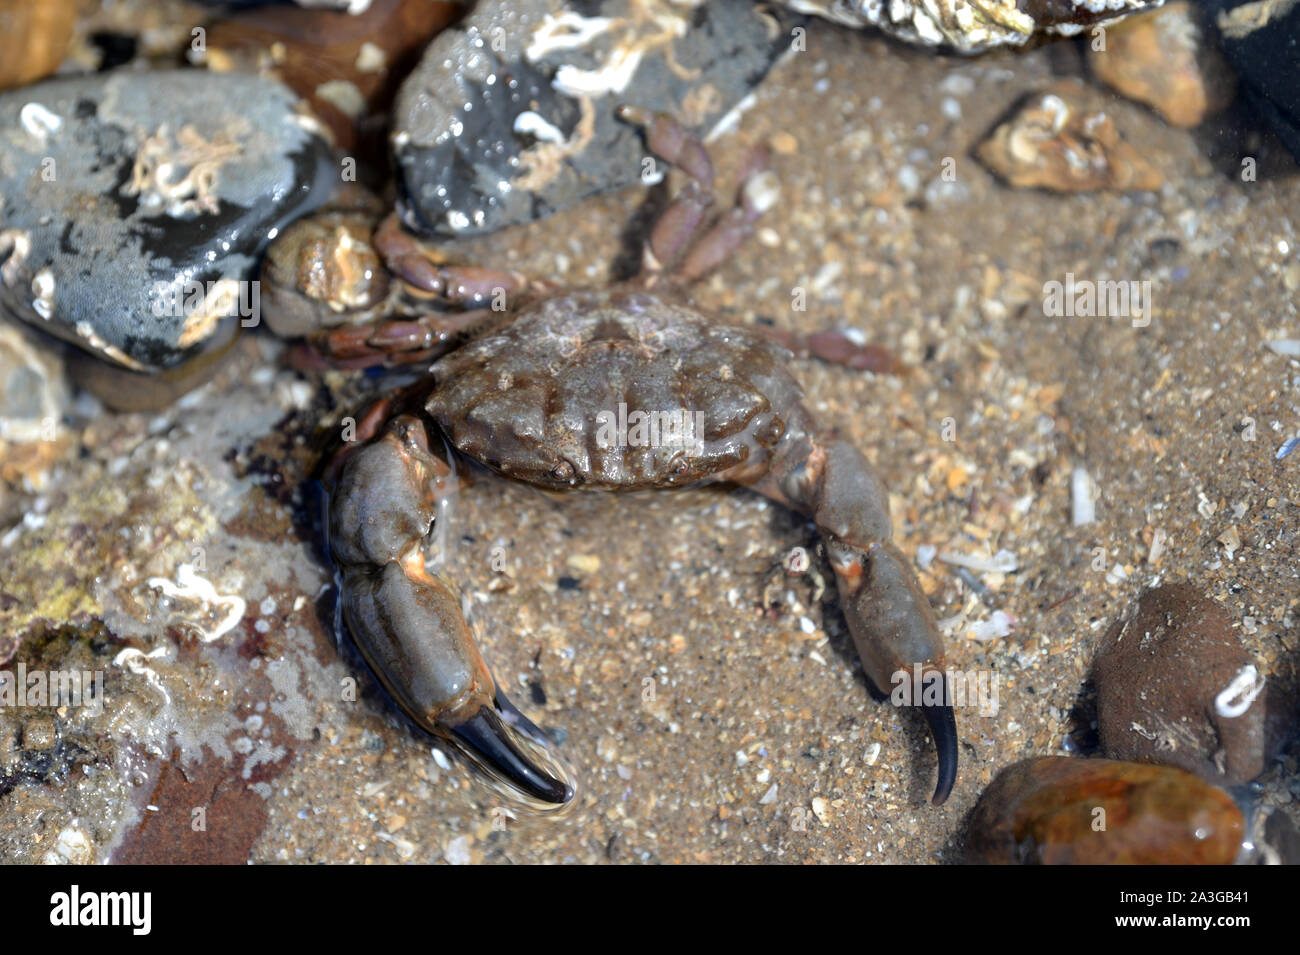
(175, 832)
(347, 67)
(1159, 671)
(1162, 59)
(1056, 810)
(34, 35)
(1054, 141)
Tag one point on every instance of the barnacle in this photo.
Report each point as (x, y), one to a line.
(972, 25)
(179, 176)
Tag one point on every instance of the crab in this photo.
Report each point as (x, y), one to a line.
(529, 392)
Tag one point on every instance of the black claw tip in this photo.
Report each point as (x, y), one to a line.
(489, 740)
(943, 727)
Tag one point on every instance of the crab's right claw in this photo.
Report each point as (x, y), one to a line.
(487, 739)
(406, 622)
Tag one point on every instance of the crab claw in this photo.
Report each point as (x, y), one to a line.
(407, 623)
(894, 632)
(487, 739)
(943, 727)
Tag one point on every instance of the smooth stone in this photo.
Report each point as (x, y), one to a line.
(1159, 671)
(347, 67)
(1165, 58)
(510, 115)
(1058, 810)
(34, 36)
(122, 197)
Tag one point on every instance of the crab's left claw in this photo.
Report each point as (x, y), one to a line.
(896, 638)
(888, 614)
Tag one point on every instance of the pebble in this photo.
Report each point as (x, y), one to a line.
(33, 397)
(1161, 672)
(123, 198)
(1055, 141)
(457, 851)
(1060, 810)
(510, 115)
(1162, 58)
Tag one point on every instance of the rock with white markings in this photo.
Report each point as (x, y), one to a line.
(1175, 685)
(132, 208)
(511, 114)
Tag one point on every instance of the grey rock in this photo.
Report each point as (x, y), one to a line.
(123, 200)
(511, 114)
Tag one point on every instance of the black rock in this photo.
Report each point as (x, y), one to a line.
(1262, 42)
(125, 198)
(511, 114)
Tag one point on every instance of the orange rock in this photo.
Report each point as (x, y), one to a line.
(1057, 810)
(34, 36)
(1161, 58)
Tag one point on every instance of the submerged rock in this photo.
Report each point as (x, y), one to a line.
(1259, 39)
(511, 113)
(1164, 59)
(1174, 685)
(1056, 810)
(132, 207)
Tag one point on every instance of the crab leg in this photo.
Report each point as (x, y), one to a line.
(887, 613)
(418, 266)
(399, 341)
(407, 623)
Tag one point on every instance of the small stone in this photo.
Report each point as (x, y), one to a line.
(820, 810)
(1161, 674)
(783, 143)
(33, 396)
(586, 564)
(72, 847)
(1055, 141)
(39, 734)
(1162, 58)
(456, 851)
